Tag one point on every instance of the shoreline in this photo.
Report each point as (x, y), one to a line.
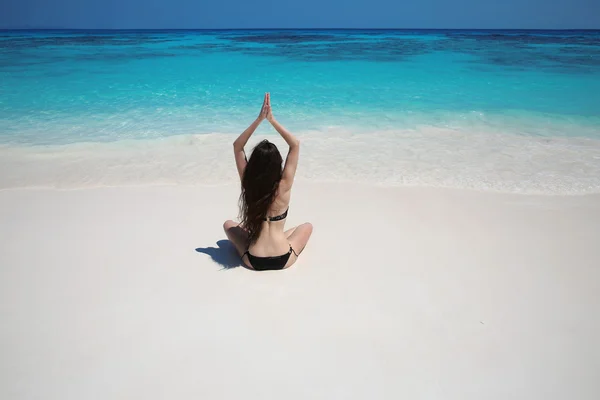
(412, 158)
(304, 182)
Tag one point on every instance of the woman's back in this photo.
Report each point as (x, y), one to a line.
(272, 240)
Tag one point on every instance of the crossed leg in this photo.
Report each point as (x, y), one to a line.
(298, 236)
(238, 236)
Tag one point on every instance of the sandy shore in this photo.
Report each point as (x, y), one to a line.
(414, 293)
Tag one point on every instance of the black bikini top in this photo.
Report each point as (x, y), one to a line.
(278, 217)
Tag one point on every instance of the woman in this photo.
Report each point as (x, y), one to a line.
(266, 187)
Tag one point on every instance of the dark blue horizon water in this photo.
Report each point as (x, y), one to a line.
(297, 29)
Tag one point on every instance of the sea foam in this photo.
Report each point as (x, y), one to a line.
(425, 156)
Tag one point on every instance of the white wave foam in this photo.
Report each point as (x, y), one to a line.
(425, 156)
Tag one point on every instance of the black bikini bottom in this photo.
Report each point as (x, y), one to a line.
(269, 263)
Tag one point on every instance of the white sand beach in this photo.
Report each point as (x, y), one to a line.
(416, 293)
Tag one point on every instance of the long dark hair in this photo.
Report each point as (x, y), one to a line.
(259, 187)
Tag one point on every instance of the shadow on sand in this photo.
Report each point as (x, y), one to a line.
(224, 254)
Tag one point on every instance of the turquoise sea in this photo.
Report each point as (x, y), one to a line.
(514, 111)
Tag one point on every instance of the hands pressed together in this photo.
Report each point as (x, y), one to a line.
(265, 111)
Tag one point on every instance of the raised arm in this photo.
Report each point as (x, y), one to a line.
(291, 161)
(240, 142)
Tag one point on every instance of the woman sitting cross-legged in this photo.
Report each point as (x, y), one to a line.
(260, 238)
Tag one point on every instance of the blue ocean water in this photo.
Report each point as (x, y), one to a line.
(503, 110)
